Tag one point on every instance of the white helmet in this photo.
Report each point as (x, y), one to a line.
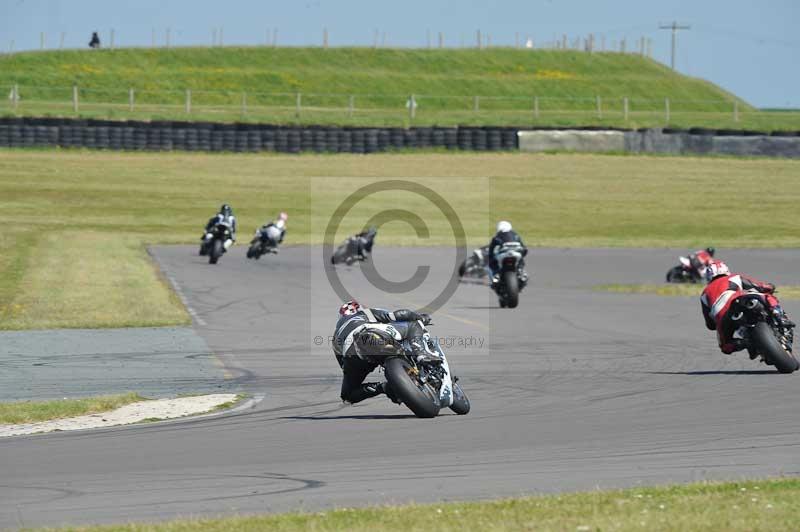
(503, 226)
(715, 269)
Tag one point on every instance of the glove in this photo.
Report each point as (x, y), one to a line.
(769, 288)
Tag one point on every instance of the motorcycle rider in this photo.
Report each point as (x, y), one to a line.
(364, 241)
(701, 258)
(272, 233)
(361, 326)
(722, 289)
(224, 216)
(505, 233)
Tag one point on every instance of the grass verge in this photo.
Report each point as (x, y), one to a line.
(686, 290)
(732, 506)
(78, 221)
(36, 411)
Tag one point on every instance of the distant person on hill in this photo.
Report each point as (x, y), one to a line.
(95, 42)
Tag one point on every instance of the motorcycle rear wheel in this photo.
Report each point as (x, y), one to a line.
(419, 398)
(511, 288)
(769, 346)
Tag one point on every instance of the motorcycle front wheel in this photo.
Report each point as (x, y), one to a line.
(460, 404)
(418, 397)
(216, 251)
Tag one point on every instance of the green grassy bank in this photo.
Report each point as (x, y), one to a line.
(362, 86)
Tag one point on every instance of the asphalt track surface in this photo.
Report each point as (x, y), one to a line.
(574, 390)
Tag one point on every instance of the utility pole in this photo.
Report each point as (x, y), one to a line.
(674, 27)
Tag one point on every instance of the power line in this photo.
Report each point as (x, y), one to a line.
(674, 27)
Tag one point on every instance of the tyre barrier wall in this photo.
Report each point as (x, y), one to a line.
(203, 136)
(698, 141)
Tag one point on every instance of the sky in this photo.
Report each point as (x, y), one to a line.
(747, 47)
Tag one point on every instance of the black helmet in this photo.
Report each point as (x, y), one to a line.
(225, 210)
(710, 251)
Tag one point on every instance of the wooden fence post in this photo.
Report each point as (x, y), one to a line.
(350, 106)
(625, 108)
(297, 105)
(130, 99)
(666, 109)
(244, 104)
(599, 106)
(15, 97)
(536, 107)
(188, 101)
(476, 103)
(412, 107)
(74, 98)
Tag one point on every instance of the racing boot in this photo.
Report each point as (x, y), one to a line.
(365, 391)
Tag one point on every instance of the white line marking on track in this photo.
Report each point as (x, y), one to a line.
(192, 312)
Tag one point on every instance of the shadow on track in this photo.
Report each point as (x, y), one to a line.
(365, 416)
(717, 372)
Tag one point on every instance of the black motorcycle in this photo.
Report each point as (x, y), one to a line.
(424, 387)
(475, 264)
(511, 277)
(214, 247)
(764, 333)
(355, 248)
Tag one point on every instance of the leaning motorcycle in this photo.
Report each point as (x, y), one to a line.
(684, 272)
(347, 252)
(424, 387)
(765, 334)
(511, 277)
(214, 246)
(475, 264)
(264, 243)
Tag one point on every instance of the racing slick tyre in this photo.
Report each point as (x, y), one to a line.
(770, 347)
(420, 398)
(216, 251)
(460, 401)
(512, 289)
(462, 269)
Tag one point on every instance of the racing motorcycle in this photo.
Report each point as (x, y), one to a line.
(511, 277)
(424, 387)
(214, 242)
(764, 333)
(347, 252)
(685, 272)
(264, 242)
(475, 264)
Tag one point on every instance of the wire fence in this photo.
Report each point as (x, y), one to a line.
(378, 109)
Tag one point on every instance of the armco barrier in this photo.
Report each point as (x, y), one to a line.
(204, 136)
(695, 141)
